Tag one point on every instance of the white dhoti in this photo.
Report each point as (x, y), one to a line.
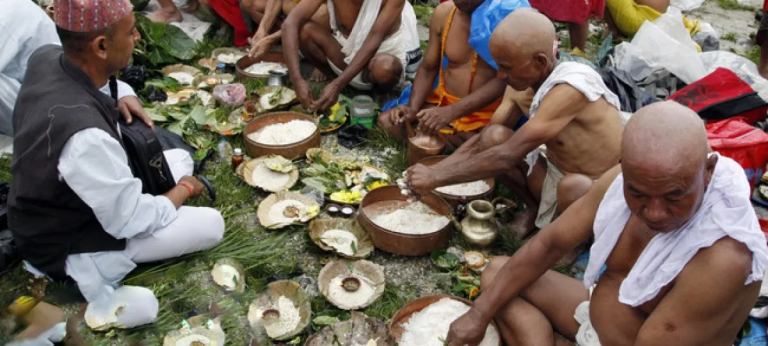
(398, 44)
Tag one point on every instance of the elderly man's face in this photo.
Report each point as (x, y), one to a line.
(665, 198)
(467, 6)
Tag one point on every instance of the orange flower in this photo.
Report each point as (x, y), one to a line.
(473, 293)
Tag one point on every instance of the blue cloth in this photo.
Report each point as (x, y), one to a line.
(757, 335)
(485, 19)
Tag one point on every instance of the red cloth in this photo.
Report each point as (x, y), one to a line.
(89, 15)
(571, 11)
(765, 6)
(230, 11)
(742, 142)
(721, 95)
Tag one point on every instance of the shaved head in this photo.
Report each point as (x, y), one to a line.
(666, 135)
(665, 164)
(522, 47)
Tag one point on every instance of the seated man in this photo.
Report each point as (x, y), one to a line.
(265, 13)
(367, 46)
(572, 112)
(30, 28)
(574, 12)
(75, 209)
(460, 107)
(625, 17)
(683, 251)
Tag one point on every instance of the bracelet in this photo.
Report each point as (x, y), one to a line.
(189, 188)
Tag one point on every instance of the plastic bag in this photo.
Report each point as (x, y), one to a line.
(666, 45)
(630, 95)
(687, 5)
(707, 37)
(231, 95)
(484, 21)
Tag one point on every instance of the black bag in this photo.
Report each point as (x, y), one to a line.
(145, 156)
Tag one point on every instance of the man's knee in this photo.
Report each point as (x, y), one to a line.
(571, 188)
(494, 135)
(491, 270)
(214, 226)
(254, 5)
(385, 70)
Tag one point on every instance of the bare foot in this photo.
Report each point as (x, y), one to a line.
(524, 224)
(166, 16)
(39, 320)
(318, 77)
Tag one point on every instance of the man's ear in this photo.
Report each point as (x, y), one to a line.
(709, 167)
(540, 61)
(99, 46)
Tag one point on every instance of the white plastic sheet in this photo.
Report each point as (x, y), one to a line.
(687, 5)
(665, 44)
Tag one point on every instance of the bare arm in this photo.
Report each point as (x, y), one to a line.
(390, 13)
(299, 16)
(539, 254)
(508, 112)
(704, 299)
(557, 110)
(430, 67)
(271, 11)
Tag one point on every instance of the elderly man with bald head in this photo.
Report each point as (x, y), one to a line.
(573, 114)
(673, 227)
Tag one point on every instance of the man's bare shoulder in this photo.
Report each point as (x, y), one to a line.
(440, 15)
(727, 257)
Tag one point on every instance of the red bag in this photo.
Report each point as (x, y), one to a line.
(722, 95)
(742, 142)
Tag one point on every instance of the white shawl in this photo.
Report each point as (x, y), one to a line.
(725, 212)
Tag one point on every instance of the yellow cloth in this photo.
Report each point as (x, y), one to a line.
(629, 16)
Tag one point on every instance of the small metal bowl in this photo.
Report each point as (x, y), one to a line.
(350, 284)
(270, 316)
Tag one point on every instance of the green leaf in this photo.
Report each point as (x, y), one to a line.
(325, 320)
(156, 114)
(203, 116)
(353, 245)
(461, 287)
(444, 260)
(316, 183)
(295, 341)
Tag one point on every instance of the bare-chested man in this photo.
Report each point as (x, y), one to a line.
(573, 113)
(468, 92)
(682, 246)
(366, 45)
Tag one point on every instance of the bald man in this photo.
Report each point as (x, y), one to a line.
(673, 225)
(572, 113)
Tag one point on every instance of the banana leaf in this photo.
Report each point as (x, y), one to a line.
(162, 44)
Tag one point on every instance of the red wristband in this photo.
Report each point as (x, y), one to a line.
(189, 188)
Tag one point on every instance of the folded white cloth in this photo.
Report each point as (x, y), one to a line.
(584, 79)
(725, 212)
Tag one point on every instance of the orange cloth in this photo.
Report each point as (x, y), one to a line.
(441, 97)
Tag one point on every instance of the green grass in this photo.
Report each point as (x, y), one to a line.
(396, 163)
(423, 14)
(736, 6)
(730, 36)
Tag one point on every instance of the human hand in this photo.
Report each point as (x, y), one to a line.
(328, 97)
(131, 105)
(431, 120)
(421, 179)
(402, 114)
(469, 329)
(197, 186)
(303, 93)
(259, 46)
